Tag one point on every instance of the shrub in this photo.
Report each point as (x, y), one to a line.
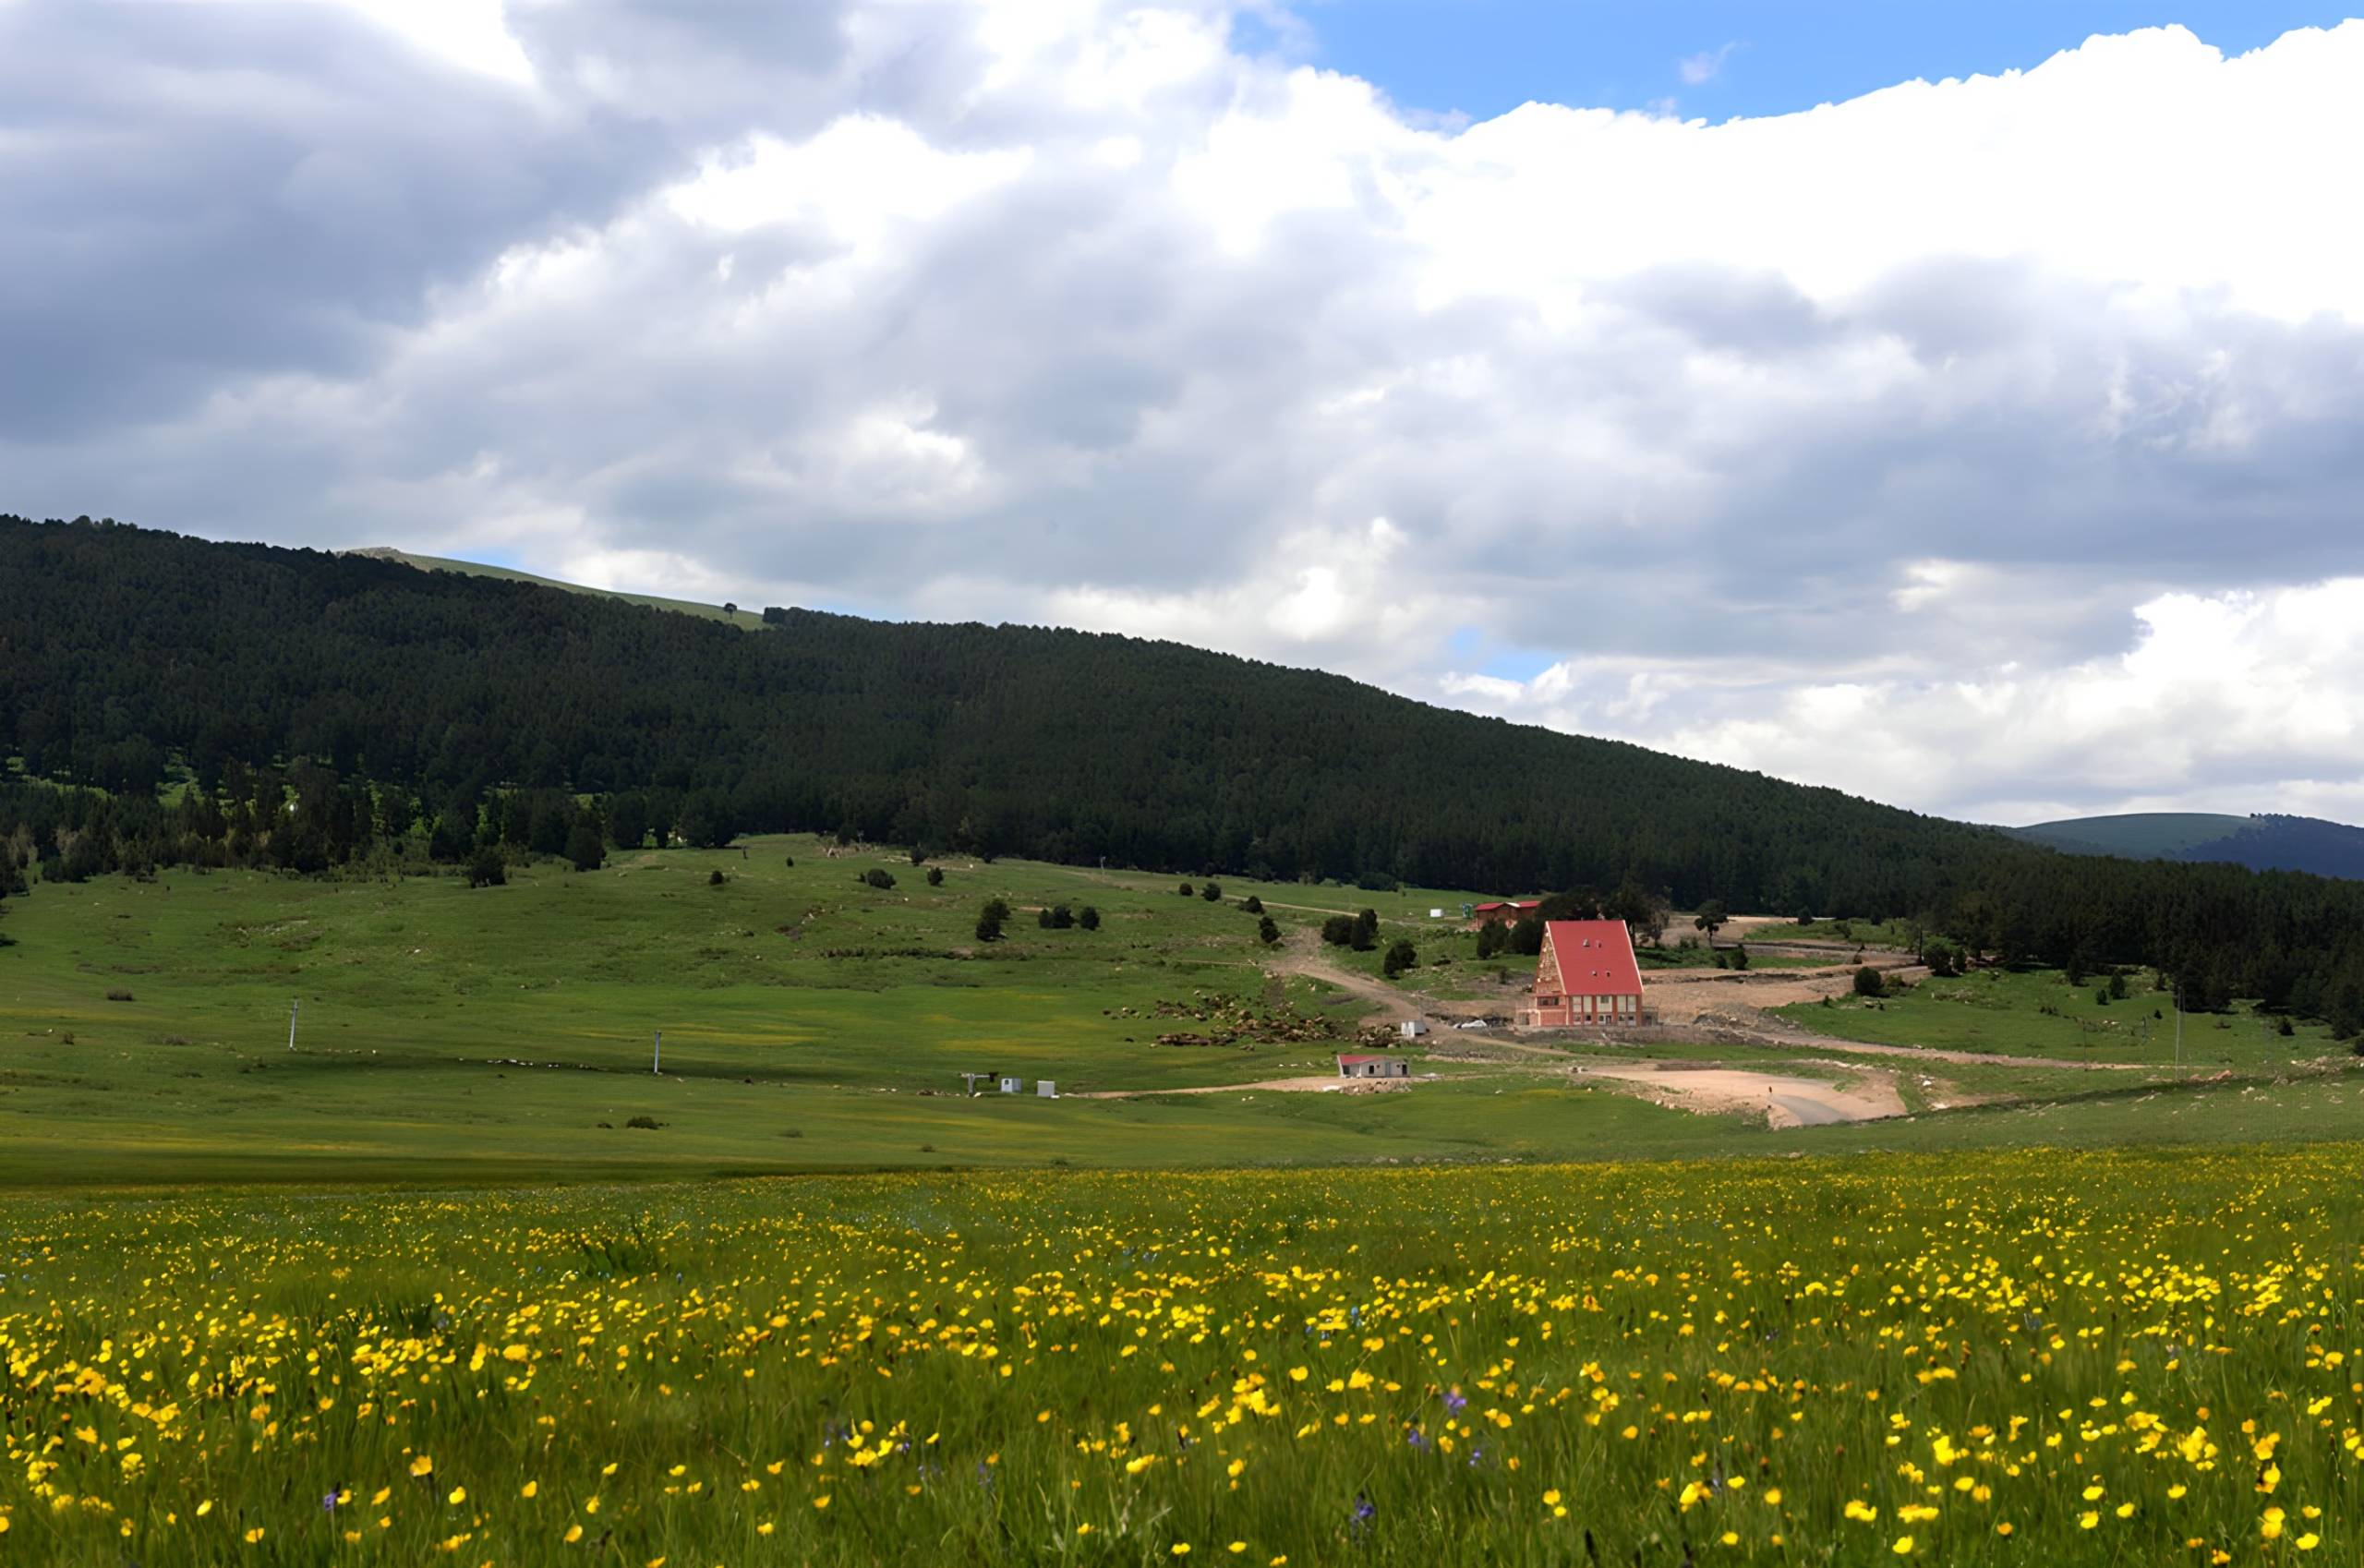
(486, 870)
(2117, 987)
(2282, 1027)
(1266, 932)
(1868, 982)
(1185, 889)
(2101, 998)
(1253, 904)
(1739, 957)
(1212, 892)
(878, 876)
(1492, 937)
(789, 860)
(1527, 936)
(1088, 918)
(644, 1123)
(935, 876)
(1367, 931)
(118, 995)
(1339, 931)
(1401, 956)
(714, 878)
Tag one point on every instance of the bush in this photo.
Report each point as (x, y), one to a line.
(1088, 918)
(935, 876)
(878, 876)
(1869, 983)
(1401, 956)
(2282, 1027)
(1367, 931)
(1492, 937)
(2101, 998)
(1212, 892)
(118, 995)
(1253, 904)
(644, 1123)
(1739, 957)
(1527, 936)
(714, 878)
(1266, 932)
(2117, 987)
(1338, 930)
(988, 928)
(1184, 889)
(789, 860)
(486, 870)
(587, 848)
(995, 910)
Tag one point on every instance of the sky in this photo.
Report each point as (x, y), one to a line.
(1961, 407)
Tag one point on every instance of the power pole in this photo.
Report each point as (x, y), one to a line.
(657, 1055)
(2178, 1023)
(292, 1008)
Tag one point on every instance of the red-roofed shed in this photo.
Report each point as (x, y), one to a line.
(1586, 975)
(1373, 1067)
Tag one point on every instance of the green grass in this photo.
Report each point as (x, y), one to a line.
(811, 1022)
(748, 616)
(2037, 1013)
(2037, 1356)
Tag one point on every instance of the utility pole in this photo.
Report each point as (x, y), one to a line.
(657, 1055)
(2178, 1023)
(292, 1008)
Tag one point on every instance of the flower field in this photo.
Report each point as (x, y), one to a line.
(2032, 1359)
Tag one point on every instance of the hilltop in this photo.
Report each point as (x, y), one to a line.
(2263, 842)
(729, 614)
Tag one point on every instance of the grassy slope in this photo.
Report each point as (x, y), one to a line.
(747, 619)
(449, 1034)
(2037, 1013)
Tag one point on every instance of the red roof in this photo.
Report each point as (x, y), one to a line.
(1596, 957)
(1352, 1061)
(1511, 904)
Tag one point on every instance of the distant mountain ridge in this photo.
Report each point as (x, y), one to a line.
(2263, 842)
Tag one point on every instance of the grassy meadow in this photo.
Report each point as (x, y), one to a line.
(812, 1022)
(2037, 1357)
(809, 1021)
(2038, 1013)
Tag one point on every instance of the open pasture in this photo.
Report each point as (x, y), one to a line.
(2041, 1358)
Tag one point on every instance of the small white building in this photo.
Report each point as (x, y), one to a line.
(1047, 1089)
(1013, 1085)
(1412, 1029)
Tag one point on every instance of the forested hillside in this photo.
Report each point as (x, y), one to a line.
(325, 703)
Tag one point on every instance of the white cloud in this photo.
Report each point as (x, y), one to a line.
(1698, 70)
(2021, 408)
